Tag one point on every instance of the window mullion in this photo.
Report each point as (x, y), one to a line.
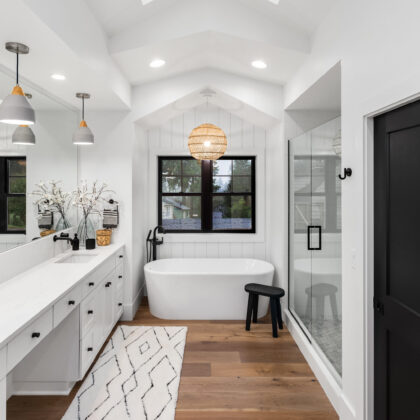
(206, 198)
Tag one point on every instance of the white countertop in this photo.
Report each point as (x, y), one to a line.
(26, 296)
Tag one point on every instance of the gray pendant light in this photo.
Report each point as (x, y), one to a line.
(23, 134)
(83, 135)
(15, 108)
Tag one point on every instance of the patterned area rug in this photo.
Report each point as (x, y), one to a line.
(136, 377)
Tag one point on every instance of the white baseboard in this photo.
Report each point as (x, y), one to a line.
(328, 383)
(42, 388)
(130, 309)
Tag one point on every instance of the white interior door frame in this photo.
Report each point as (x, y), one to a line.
(368, 152)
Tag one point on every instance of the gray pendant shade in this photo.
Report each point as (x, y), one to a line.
(15, 109)
(83, 135)
(23, 135)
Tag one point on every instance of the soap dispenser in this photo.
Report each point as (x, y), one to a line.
(75, 243)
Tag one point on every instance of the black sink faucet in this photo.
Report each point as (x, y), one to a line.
(65, 237)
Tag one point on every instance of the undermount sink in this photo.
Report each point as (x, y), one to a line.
(76, 259)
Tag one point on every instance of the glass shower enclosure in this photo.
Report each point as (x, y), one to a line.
(315, 239)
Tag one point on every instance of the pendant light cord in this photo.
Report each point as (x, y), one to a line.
(83, 109)
(17, 69)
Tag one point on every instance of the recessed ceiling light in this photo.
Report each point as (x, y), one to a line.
(57, 76)
(155, 64)
(259, 64)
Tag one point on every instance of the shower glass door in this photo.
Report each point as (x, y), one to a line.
(315, 239)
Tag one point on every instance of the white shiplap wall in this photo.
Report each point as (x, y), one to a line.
(243, 139)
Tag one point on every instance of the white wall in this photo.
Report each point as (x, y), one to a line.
(141, 179)
(110, 160)
(243, 139)
(376, 43)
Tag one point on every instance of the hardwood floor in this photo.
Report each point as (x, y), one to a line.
(228, 374)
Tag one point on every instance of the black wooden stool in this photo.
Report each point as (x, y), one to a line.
(274, 293)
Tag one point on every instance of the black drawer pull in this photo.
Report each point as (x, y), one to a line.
(120, 256)
(36, 335)
(91, 284)
(90, 312)
(120, 277)
(108, 284)
(72, 302)
(90, 349)
(120, 304)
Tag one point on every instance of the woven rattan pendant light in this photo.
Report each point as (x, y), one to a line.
(207, 141)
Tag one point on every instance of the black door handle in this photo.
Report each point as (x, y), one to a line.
(378, 306)
(319, 247)
(91, 284)
(90, 312)
(72, 302)
(36, 335)
(120, 277)
(90, 349)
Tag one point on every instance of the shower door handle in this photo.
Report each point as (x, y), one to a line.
(310, 230)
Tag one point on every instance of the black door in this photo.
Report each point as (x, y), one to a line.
(397, 264)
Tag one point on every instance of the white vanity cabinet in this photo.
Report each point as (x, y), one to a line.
(57, 347)
(100, 309)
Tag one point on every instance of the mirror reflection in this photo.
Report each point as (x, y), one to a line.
(36, 178)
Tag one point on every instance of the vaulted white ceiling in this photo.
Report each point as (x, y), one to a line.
(222, 34)
(104, 47)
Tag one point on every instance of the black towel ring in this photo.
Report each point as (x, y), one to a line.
(347, 173)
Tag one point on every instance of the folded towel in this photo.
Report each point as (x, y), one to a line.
(110, 219)
(45, 220)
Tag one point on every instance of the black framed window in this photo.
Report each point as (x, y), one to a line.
(317, 193)
(211, 196)
(12, 195)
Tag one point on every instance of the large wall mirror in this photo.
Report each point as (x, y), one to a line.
(29, 173)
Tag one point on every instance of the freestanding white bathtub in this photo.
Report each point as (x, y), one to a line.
(204, 288)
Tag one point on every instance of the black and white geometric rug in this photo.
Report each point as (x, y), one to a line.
(136, 377)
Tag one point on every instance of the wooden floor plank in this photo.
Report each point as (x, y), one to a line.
(261, 369)
(228, 374)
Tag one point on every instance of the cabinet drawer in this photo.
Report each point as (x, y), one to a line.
(89, 314)
(3, 362)
(92, 280)
(89, 284)
(119, 304)
(21, 345)
(119, 281)
(120, 269)
(66, 304)
(87, 352)
(119, 256)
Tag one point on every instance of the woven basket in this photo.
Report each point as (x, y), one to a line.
(47, 232)
(103, 237)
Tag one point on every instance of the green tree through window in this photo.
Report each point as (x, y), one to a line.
(211, 196)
